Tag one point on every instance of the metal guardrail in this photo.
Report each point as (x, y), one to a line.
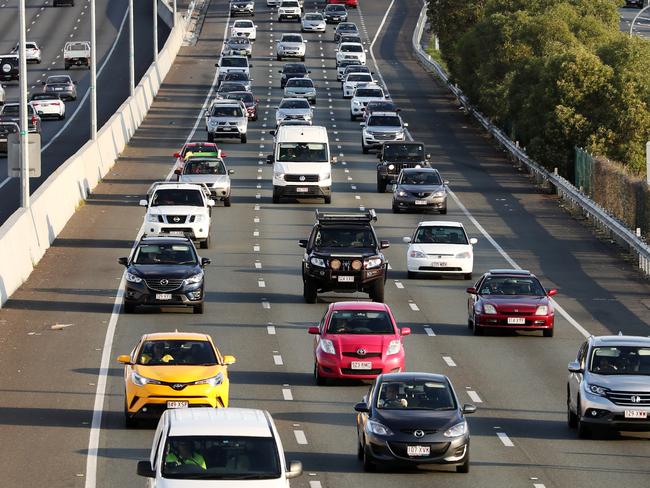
(590, 209)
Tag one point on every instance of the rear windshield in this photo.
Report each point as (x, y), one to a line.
(234, 62)
(381, 107)
(369, 93)
(347, 27)
(439, 234)
(57, 79)
(175, 196)
(238, 40)
(246, 97)
(15, 110)
(335, 8)
(77, 46)
(199, 148)
(360, 322)
(244, 23)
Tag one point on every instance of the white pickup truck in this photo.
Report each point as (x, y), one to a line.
(76, 53)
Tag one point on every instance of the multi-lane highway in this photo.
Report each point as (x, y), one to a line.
(642, 24)
(255, 310)
(51, 28)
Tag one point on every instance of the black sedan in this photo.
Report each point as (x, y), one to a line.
(249, 100)
(62, 85)
(334, 14)
(409, 419)
(292, 70)
(164, 271)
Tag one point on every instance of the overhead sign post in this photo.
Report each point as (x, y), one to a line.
(14, 158)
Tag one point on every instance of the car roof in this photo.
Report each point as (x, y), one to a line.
(301, 133)
(388, 114)
(510, 272)
(621, 340)
(369, 85)
(241, 422)
(165, 240)
(443, 223)
(178, 186)
(410, 376)
(181, 336)
(360, 305)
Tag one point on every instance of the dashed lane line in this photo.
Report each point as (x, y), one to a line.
(505, 440)
(450, 362)
(429, 331)
(300, 437)
(474, 396)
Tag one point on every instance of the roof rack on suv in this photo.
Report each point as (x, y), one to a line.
(367, 216)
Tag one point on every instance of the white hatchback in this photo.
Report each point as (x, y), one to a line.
(244, 28)
(217, 448)
(438, 247)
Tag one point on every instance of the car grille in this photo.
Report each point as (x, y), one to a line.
(176, 219)
(354, 354)
(439, 256)
(629, 399)
(421, 194)
(438, 268)
(163, 284)
(301, 178)
(360, 371)
(412, 430)
(437, 449)
(385, 135)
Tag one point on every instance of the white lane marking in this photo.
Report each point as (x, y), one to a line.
(270, 329)
(286, 394)
(399, 284)
(256, 220)
(258, 265)
(450, 362)
(300, 437)
(261, 283)
(256, 207)
(429, 331)
(256, 248)
(256, 233)
(538, 485)
(503, 437)
(474, 396)
(277, 359)
(266, 305)
(414, 307)
(315, 484)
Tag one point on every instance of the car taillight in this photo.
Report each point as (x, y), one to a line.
(34, 119)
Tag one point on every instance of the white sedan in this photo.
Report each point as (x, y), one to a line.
(48, 105)
(244, 28)
(438, 247)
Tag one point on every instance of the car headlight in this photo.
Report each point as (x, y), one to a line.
(325, 176)
(212, 122)
(489, 309)
(414, 253)
(394, 347)
(377, 428)
(214, 381)
(130, 277)
(152, 218)
(463, 255)
(373, 263)
(542, 310)
(278, 176)
(320, 262)
(457, 430)
(198, 218)
(391, 167)
(438, 194)
(197, 278)
(401, 193)
(597, 390)
(140, 380)
(356, 103)
(327, 346)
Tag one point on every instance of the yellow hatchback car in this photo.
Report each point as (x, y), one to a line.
(173, 370)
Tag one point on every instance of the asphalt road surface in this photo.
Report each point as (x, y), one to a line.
(255, 310)
(642, 24)
(51, 28)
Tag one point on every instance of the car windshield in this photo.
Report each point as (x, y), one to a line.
(291, 38)
(511, 285)
(238, 40)
(403, 152)
(226, 111)
(438, 234)
(369, 93)
(175, 196)
(384, 121)
(230, 86)
(177, 352)
(344, 237)
(313, 152)
(351, 48)
(53, 80)
(10, 110)
(234, 62)
(425, 178)
(171, 253)
(415, 395)
(199, 148)
(359, 77)
(204, 167)
(360, 322)
(221, 458)
(313, 17)
(299, 103)
(294, 68)
(301, 82)
(620, 360)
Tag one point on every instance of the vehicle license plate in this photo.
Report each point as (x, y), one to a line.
(439, 264)
(420, 202)
(418, 450)
(163, 296)
(58, 89)
(300, 189)
(516, 320)
(346, 279)
(227, 128)
(336, 18)
(177, 404)
(361, 365)
(636, 414)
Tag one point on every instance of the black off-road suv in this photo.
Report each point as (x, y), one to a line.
(344, 255)
(395, 155)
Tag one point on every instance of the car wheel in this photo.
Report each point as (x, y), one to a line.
(198, 308)
(129, 421)
(309, 292)
(129, 307)
(571, 418)
(318, 379)
(381, 184)
(411, 275)
(548, 332)
(276, 196)
(364, 148)
(359, 449)
(478, 330)
(62, 116)
(226, 202)
(278, 58)
(443, 211)
(243, 138)
(205, 243)
(352, 116)
(368, 461)
(470, 325)
(328, 199)
(467, 276)
(395, 209)
(464, 467)
(584, 431)
(377, 291)
(210, 137)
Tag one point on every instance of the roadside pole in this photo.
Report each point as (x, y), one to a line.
(131, 51)
(93, 73)
(24, 129)
(155, 31)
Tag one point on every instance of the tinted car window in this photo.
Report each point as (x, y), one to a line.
(177, 197)
(415, 395)
(234, 62)
(438, 234)
(421, 178)
(246, 97)
(164, 254)
(620, 360)
(507, 285)
(204, 167)
(404, 152)
(344, 237)
(291, 39)
(351, 48)
(359, 322)
(175, 352)
(57, 79)
(220, 111)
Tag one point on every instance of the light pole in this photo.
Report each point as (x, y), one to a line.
(636, 17)
(24, 129)
(174, 14)
(93, 73)
(155, 31)
(131, 51)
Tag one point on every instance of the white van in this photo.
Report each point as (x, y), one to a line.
(301, 163)
(217, 448)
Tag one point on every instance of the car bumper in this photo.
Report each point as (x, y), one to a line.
(600, 411)
(225, 134)
(291, 54)
(393, 450)
(198, 232)
(308, 96)
(327, 280)
(151, 400)
(314, 28)
(500, 321)
(64, 94)
(245, 11)
(444, 265)
(335, 20)
(331, 366)
(140, 294)
(302, 191)
(375, 141)
(408, 202)
(50, 111)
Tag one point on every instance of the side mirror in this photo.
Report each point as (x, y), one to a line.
(313, 330)
(552, 292)
(302, 243)
(361, 407)
(405, 331)
(308, 71)
(231, 171)
(406, 124)
(384, 244)
(574, 367)
(211, 203)
(216, 64)
(394, 187)
(177, 155)
(123, 261)
(74, 82)
(269, 159)
(205, 261)
(471, 291)
(143, 203)
(386, 97)
(42, 83)
(272, 132)
(295, 469)
(144, 469)
(124, 359)
(177, 172)
(445, 182)
(229, 360)
(362, 124)
(473, 240)
(250, 65)
(334, 160)
(279, 71)
(428, 156)
(469, 408)
(406, 240)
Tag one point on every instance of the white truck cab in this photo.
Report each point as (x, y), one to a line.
(301, 163)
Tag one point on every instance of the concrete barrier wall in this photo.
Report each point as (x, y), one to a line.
(27, 234)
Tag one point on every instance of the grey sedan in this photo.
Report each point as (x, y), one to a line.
(420, 188)
(62, 85)
(301, 88)
(238, 46)
(314, 22)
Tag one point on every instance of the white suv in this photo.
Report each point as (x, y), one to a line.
(351, 51)
(227, 119)
(235, 447)
(178, 208)
(244, 28)
(289, 9)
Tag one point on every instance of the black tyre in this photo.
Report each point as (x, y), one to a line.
(364, 148)
(318, 379)
(478, 331)
(352, 116)
(548, 332)
(276, 196)
(243, 138)
(359, 450)
(129, 422)
(395, 209)
(377, 291)
(129, 307)
(381, 185)
(309, 292)
(443, 211)
(467, 276)
(464, 468)
(571, 418)
(205, 243)
(210, 137)
(368, 461)
(226, 202)
(198, 308)
(411, 275)
(328, 199)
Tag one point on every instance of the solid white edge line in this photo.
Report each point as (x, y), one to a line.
(100, 392)
(372, 44)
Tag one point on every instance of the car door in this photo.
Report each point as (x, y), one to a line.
(473, 298)
(575, 379)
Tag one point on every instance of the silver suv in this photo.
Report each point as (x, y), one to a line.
(225, 119)
(609, 385)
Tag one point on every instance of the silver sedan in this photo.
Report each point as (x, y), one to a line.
(313, 22)
(300, 88)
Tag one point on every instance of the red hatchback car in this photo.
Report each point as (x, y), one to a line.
(510, 299)
(347, 3)
(357, 340)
